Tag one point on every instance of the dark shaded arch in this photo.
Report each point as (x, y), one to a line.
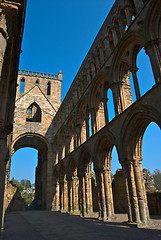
(33, 113)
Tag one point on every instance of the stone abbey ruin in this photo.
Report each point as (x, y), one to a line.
(74, 165)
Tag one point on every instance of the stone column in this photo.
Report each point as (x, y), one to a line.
(57, 203)
(70, 206)
(128, 15)
(121, 27)
(129, 171)
(101, 195)
(61, 195)
(117, 97)
(141, 194)
(83, 197)
(114, 35)
(90, 194)
(108, 192)
(75, 195)
(87, 194)
(152, 50)
(130, 218)
(105, 100)
(107, 46)
(65, 197)
(3, 153)
(101, 55)
(93, 120)
(135, 80)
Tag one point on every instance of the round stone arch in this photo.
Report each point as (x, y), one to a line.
(41, 144)
(134, 127)
(132, 136)
(153, 21)
(125, 53)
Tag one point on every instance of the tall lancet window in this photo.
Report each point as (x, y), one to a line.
(22, 85)
(33, 113)
(48, 88)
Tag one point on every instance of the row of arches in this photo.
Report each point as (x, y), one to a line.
(22, 86)
(102, 91)
(73, 191)
(105, 100)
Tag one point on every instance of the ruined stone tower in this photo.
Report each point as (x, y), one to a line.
(38, 98)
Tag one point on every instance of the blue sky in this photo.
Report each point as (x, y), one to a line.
(57, 36)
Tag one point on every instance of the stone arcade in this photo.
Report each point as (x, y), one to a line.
(69, 150)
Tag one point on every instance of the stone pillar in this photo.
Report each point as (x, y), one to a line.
(128, 15)
(104, 100)
(141, 194)
(129, 172)
(90, 195)
(3, 153)
(101, 195)
(65, 197)
(70, 205)
(75, 195)
(117, 97)
(152, 50)
(93, 120)
(57, 203)
(101, 55)
(107, 46)
(83, 196)
(88, 189)
(61, 195)
(121, 27)
(135, 80)
(114, 35)
(108, 192)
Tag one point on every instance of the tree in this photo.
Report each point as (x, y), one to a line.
(157, 178)
(14, 181)
(28, 184)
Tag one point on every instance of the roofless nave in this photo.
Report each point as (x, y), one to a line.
(61, 134)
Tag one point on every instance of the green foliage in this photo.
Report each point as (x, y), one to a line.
(20, 187)
(14, 182)
(28, 184)
(28, 198)
(157, 178)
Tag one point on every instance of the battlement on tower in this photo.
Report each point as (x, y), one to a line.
(40, 74)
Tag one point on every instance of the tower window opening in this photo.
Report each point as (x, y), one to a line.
(22, 85)
(33, 113)
(48, 88)
(37, 82)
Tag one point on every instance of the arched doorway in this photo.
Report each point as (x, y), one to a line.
(41, 145)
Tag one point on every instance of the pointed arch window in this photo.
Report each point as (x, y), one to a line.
(22, 85)
(33, 113)
(37, 82)
(48, 88)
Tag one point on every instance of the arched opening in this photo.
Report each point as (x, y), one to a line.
(104, 178)
(110, 105)
(33, 113)
(37, 143)
(151, 153)
(63, 190)
(22, 175)
(86, 185)
(118, 184)
(55, 194)
(145, 73)
(22, 85)
(135, 176)
(37, 82)
(73, 184)
(48, 88)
